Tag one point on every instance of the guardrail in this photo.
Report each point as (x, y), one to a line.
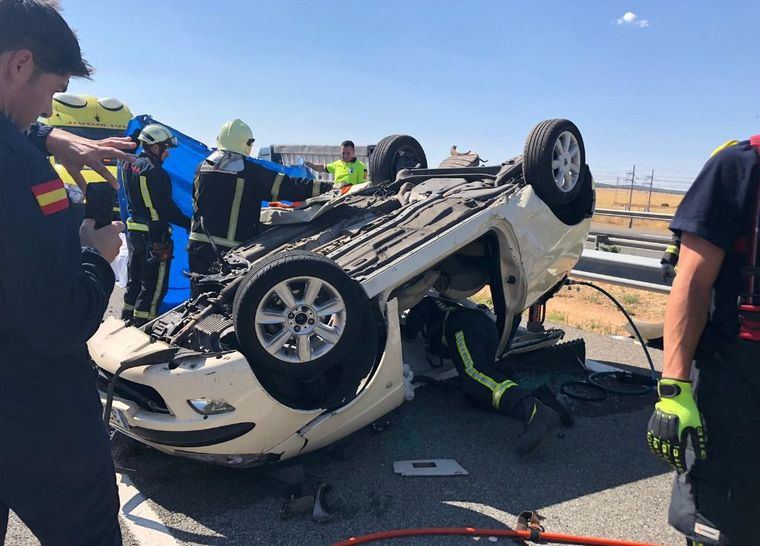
(633, 214)
(627, 242)
(621, 269)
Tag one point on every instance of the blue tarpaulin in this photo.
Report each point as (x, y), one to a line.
(181, 165)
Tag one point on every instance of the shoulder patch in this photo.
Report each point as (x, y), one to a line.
(51, 196)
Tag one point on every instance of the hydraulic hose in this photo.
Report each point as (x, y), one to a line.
(532, 536)
(593, 377)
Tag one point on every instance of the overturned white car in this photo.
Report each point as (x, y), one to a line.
(295, 341)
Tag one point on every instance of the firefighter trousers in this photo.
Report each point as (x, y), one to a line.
(56, 469)
(148, 280)
(716, 501)
(484, 385)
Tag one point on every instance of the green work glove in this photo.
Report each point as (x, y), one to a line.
(676, 425)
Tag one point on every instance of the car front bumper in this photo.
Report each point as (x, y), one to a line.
(153, 407)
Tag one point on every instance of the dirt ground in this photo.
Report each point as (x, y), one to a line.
(589, 310)
(611, 198)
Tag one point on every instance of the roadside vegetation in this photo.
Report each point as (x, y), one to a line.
(585, 308)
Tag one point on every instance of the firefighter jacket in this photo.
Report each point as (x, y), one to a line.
(228, 193)
(149, 197)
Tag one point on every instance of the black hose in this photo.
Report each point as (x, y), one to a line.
(646, 385)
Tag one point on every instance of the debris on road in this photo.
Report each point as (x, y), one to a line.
(429, 467)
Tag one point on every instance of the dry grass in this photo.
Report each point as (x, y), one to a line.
(589, 310)
(611, 198)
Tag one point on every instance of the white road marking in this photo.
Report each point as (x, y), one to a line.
(140, 519)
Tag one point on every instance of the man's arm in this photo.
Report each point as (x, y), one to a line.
(75, 152)
(297, 189)
(272, 186)
(689, 303)
(161, 192)
(319, 167)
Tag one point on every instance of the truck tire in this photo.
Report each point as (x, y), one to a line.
(392, 154)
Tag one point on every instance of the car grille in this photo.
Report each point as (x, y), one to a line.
(146, 398)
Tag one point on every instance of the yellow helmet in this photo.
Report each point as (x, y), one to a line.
(235, 136)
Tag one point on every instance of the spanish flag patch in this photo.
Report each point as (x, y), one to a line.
(51, 196)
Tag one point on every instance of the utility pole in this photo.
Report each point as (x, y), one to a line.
(630, 195)
(651, 183)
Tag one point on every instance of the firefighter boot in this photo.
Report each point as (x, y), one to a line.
(540, 421)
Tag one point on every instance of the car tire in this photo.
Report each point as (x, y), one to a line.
(553, 161)
(392, 154)
(284, 327)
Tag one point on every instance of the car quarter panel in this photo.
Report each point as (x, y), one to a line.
(548, 248)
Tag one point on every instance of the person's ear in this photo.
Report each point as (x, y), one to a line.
(21, 66)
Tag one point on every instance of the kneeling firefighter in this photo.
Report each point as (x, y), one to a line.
(470, 338)
(151, 213)
(228, 194)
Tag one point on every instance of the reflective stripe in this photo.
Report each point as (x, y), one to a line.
(723, 146)
(497, 389)
(136, 226)
(158, 294)
(276, 186)
(533, 413)
(129, 307)
(235, 210)
(315, 187)
(202, 238)
(141, 314)
(145, 192)
(500, 390)
(469, 365)
(672, 249)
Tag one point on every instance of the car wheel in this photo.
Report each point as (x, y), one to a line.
(553, 161)
(298, 314)
(392, 154)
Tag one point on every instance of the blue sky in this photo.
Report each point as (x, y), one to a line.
(660, 90)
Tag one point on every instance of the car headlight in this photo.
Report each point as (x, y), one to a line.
(204, 406)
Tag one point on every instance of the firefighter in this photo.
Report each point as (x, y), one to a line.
(708, 430)
(470, 338)
(228, 193)
(347, 170)
(56, 470)
(149, 234)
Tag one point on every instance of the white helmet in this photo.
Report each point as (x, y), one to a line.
(235, 136)
(157, 134)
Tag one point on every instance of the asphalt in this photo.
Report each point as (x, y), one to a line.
(596, 478)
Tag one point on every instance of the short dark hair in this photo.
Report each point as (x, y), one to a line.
(347, 144)
(37, 25)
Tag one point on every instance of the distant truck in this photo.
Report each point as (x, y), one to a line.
(89, 117)
(290, 154)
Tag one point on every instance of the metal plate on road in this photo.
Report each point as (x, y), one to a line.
(429, 467)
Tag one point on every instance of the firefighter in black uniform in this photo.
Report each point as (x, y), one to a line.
(56, 470)
(470, 338)
(228, 194)
(709, 433)
(151, 213)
